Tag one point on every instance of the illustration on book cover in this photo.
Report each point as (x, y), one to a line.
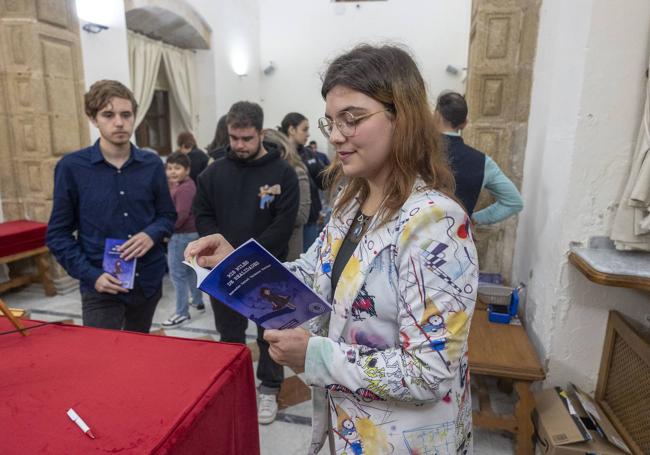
(116, 266)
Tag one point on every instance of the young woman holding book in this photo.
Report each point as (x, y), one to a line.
(396, 260)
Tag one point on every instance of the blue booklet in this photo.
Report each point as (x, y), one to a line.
(254, 283)
(116, 266)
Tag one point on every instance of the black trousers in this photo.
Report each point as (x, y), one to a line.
(106, 311)
(232, 327)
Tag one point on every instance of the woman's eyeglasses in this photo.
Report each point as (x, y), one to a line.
(345, 122)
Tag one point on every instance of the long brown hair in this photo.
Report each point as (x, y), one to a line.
(389, 75)
(287, 149)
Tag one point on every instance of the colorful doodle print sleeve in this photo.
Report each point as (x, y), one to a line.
(304, 267)
(433, 287)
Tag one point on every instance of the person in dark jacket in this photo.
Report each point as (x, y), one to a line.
(473, 170)
(252, 192)
(198, 159)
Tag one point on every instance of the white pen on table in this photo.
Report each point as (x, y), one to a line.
(80, 423)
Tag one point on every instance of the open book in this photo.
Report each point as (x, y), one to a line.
(251, 281)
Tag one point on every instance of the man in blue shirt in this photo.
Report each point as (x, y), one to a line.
(473, 170)
(112, 190)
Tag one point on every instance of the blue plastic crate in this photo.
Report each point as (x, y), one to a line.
(495, 313)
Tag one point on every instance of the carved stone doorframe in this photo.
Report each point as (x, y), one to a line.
(503, 40)
(41, 106)
(41, 101)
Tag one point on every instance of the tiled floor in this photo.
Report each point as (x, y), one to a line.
(290, 433)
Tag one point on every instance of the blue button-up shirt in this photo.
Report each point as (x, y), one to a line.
(94, 200)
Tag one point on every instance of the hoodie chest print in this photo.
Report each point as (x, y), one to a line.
(267, 194)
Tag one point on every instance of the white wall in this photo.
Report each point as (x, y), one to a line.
(301, 36)
(235, 35)
(105, 54)
(586, 107)
(235, 31)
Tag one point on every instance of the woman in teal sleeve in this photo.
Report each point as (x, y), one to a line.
(474, 170)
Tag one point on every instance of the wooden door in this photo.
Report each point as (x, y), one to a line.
(503, 37)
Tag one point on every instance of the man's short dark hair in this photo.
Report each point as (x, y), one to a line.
(453, 108)
(179, 158)
(244, 114)
(312, 142)
(100, 94)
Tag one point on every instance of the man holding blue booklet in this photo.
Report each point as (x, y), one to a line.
(112, 190)
(252, 192)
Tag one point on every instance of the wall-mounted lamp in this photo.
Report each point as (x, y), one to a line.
(91, 27)
(239, 62)
(455, 70)
(269, 69)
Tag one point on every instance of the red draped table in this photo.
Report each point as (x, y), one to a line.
(138, 393)
(24, 239)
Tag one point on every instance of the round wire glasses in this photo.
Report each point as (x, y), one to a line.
(346, 122)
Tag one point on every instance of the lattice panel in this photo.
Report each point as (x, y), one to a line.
(627, 392)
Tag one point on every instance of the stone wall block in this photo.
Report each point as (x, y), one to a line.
(19, 44)
(17, 9)
(30, 134)
(13, 209)
(55, 12)
(4, 108)
(25, 93)
(7, 174)
(38, 210)
(529, 32)
(31, 178)
(47, 173)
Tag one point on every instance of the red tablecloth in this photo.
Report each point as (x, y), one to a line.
(138, 393)
(21, 235)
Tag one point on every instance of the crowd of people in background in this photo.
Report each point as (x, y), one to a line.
(385, 223)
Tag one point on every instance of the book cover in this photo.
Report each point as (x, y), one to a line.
(116, 266)
(254, 283)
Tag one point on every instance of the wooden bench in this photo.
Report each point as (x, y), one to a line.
(504, 351)
(40, 256)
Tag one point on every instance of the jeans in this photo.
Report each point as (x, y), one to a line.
(232, 327)
(183, 277)
(107, 312)
(310, 232)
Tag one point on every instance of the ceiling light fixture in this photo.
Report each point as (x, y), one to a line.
(91, 27)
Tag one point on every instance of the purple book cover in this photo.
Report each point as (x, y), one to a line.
(254, 283)
(116, 266)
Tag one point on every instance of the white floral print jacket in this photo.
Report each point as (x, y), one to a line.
(389, 365)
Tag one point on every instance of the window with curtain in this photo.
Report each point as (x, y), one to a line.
(155, 129)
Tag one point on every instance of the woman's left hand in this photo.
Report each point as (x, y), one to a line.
(209, 250)
(288, 347)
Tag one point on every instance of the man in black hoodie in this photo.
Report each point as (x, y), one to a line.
(253, 192)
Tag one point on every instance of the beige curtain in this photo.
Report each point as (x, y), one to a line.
(631, 229)
(179, 66)
(145, 56)
(144, 62)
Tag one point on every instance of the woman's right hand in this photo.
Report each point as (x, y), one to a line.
(209, 250)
